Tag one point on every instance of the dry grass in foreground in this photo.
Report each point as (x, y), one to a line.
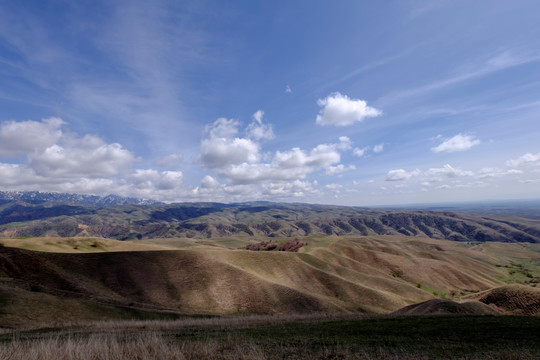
(154, 346)
(424, 337)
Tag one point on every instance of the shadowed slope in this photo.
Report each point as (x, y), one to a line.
(330, 274)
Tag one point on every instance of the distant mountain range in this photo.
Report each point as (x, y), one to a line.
(35, 214)
(37, 197)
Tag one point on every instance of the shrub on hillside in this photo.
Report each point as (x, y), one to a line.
(292, 245)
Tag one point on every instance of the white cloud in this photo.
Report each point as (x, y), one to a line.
(340, 110)
(433, 174)
(527, 159)
(295, 188)
(447, 171)
(258, 116)
(220, 152)
(92, 157)
(65, 162)
(258, 130)
(400, 175)
(344, 143)
(338, 169)
(169, 180)
(221, 148)
(495, 172)
(239, 160)
(323, 155)
(460, 142)
(288, 89)
(153, 179)
(360, 152)
(334, 186)
(223, 128)
(23, 137)
(378, 148)
(285, 166)
(209, 182)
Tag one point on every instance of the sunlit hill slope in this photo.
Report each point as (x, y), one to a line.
(331, 274)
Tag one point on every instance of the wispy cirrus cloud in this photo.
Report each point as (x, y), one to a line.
(477, 69)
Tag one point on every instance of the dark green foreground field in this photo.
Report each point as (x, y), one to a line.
(279, 337)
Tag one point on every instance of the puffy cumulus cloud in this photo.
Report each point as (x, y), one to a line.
(222, 147)
(24, 137)
(149, 184)
(285, 166)
(91, 158)
(258, 130)
(340, 110)
(360, 152)
(152, 179)
(460, 142)
(18, 176)
(338, 169)
(223, 128)
(527, 159)
(447, 171)
(400, 175)
(239, 162)
(219, 152)
(65, 162)
(323, 155)
(209, 182)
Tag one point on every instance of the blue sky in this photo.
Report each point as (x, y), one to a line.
(337, 102)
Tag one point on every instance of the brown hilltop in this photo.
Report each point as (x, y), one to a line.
(447, 307)
(330, 274)
(515, 299)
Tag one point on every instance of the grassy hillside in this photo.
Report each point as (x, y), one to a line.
(374, 274)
